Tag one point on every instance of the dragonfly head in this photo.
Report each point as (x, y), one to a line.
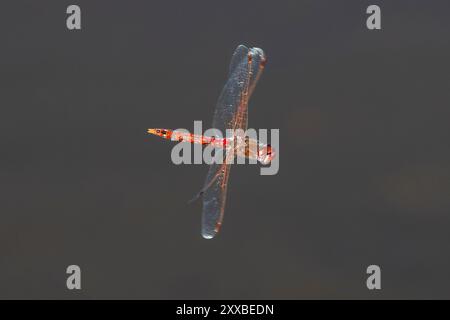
(266, 154)
(163, 133)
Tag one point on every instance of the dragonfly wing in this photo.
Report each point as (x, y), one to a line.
(230, 113)
(240, 54)
(242, 77)
(214, 199)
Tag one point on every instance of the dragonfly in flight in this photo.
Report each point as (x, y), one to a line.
(231, 113)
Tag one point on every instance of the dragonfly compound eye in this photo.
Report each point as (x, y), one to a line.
(269, 150)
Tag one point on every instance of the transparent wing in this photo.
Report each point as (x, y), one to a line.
(245, 69)
(231, 113)
(214, 199)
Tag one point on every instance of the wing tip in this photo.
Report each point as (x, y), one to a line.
(211, 233)
(208, 235)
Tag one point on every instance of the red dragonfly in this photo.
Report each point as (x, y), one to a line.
(231, 113)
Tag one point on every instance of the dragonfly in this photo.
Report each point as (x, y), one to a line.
(231, 112)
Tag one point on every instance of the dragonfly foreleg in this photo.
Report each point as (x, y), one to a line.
(217, 175)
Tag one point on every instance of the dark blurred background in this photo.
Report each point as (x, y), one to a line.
(364, 157)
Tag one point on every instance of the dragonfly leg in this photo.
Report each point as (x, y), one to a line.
(218, 173)
(202, 191)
